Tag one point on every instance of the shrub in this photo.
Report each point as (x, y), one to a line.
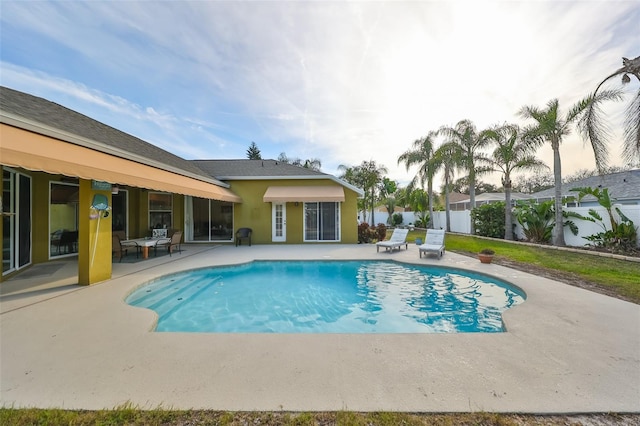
(381, 231)
(367, 233)
(396, 219)
(488, 220)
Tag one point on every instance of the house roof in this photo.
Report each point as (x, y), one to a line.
(230, 169)
(493, 196)
(23, 110)
(622, 186)
(245, 169)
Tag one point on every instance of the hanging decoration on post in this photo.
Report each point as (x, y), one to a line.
(99, 208)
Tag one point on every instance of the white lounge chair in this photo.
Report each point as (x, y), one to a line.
(398, 239)
(433, 243)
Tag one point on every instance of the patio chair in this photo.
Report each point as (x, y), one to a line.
(170, 243)
(117, 248)
(243, 234)
(397, 240)
(433, 243)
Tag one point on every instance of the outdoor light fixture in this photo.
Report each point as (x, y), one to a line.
(115, 189)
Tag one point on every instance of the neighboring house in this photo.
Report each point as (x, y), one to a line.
(485, 198)
(624, 187)
(58, 165)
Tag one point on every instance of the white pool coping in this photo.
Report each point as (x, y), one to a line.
(566, 350)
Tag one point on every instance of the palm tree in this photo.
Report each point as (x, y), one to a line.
(551, 127)
(449, 155)
(387, 190)
(423, 155)
(513, 152)
(591, 125)
(470, 142)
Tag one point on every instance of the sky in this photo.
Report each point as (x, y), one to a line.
(339, 81)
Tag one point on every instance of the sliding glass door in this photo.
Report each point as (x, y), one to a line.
(209, 220)
(16, 220)
(321, 221)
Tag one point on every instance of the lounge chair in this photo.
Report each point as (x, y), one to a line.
(170, 243)
(243, 233)
(433, 243)
(398, 239)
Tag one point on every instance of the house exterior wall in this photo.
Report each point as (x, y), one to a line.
(254, 213)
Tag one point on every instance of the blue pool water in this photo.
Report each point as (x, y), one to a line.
(327, 297)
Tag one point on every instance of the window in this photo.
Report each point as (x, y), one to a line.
(160, 210)
(321, 221)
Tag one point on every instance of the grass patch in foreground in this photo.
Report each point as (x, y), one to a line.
(618, 276)
(128, 415)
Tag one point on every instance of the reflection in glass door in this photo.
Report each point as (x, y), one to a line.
(15, 208)
(63, 219)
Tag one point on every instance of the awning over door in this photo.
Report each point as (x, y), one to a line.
(36, 152)
(303, 193)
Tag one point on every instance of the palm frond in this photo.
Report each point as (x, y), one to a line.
(631, 150)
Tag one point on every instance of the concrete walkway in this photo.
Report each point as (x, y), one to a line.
(566, 350)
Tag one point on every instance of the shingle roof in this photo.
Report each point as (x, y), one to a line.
(40, 110)
(622, 186)
(229, 169)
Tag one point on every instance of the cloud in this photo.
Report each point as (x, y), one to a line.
(343, 82)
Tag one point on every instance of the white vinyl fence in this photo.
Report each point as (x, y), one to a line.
(461, 222)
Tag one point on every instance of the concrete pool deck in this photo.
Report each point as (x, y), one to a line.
(566, 350)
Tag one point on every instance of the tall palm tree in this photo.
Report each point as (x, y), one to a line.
(423, 155)
(549, 126)
(513, 152)
(472, 160)
(449, 155)
(592, 126)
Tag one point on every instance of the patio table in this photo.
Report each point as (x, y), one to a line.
(144, 244)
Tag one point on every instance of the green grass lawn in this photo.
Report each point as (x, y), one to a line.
(131, 416)
(620, 277)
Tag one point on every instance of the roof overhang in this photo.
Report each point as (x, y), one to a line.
(37, 152)
(304, 194)
(347, 185)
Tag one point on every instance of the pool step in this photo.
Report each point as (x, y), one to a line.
(186, 296)
(150, 295)
(168, 303)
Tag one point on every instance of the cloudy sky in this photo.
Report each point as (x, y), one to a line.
(339, 81)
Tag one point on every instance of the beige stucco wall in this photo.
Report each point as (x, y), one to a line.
(256, 214)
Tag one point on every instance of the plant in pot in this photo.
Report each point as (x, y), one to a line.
(486, 255)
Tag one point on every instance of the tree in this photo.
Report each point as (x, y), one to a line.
(422, 154)
(387, 190)
(513, 152)
(549, 126)
(536, 182)
(592, 126)
(253, 153)
(449, 155)
(419, 203)
(311, 163)
(470, 142)
(365, 176)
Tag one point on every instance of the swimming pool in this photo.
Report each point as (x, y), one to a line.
(327, 297)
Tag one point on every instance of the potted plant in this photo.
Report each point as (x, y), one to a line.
(486, 255)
